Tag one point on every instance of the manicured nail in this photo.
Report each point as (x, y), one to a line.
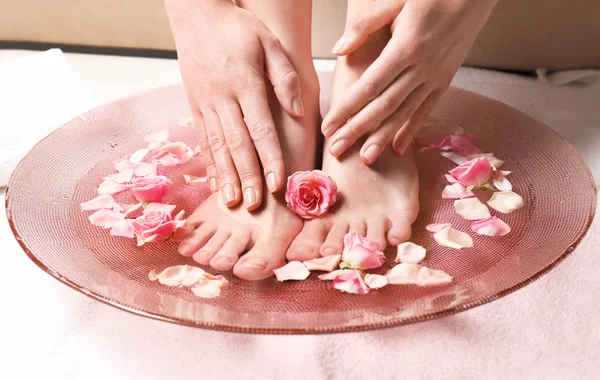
(371, 153)
(298, 106)
(339, 45)
(272, 182)
(259, 264)
(222, 261)
(249, 197)
(228, 194)
(339, 147)
(213, 184)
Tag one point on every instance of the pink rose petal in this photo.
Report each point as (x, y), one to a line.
(490, 227)
(138, 156)
(456, 158)
(331, 275)
(495, 162)
(160, 207)
(432, 277)
(105, 218)
(122, 228)
(471, 209)
(121, 177)
(327, 263)
(475, 173)
(111, 187)
(101, 201)
(185, 157)
(144, 169)
(294, 270)
(168, 160)
(129, 209)
(192, 179)
(506, 201)
(157, 137)
(360, 253)
(451, 179)
(124, 165)
(437, 227)
(350, 281)
(375, 281)
(410, 253)
(451, 238)
(403, 274)
(456, 191)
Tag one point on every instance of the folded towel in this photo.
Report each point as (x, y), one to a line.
(38, 93)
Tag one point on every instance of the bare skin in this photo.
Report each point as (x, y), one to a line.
(217, 235)
(378, 201)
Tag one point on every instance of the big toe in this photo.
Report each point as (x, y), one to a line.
(260, 261)
(400, 230)
(306, 245)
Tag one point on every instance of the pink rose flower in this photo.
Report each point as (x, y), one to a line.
(360, 253)
(347, 280)
(156, 223)
(310, 193)
(474, 173)
(149, 189)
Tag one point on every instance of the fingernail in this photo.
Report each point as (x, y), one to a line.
(339, 147)
(339, 45)
(260, 264)
(213, 184)
(272, 182)
(330, 251)
(298, 106)
(228, 194)
(249, 197)
(222, 260)
(371, 153)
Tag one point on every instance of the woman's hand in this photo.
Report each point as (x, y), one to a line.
(430, 40)
(226, 55)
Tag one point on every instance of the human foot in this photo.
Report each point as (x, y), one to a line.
(378, 201)
(216, 235)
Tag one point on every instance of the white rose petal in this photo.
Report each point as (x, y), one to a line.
(471, 209)
(451, 238)
(375, 281)
(326, 264)
(294, 270)
(403, 274)
(506, 201)
(410, 253)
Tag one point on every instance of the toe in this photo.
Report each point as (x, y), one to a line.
(228, 255)
(334, 244)
(399, 231)
(261, 260)
(205, 253)
(376, 228)
(359, 226)
(196, 240)
(306, 245)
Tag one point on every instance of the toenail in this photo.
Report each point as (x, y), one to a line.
(249, 197)
(272, 182)
(222, 261)
(329, 251)
(228, 194)
(339, 147)
(185, 249)
(394, 241)
(260, 264)
(204, 255)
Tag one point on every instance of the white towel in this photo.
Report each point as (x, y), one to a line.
(38, 93)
